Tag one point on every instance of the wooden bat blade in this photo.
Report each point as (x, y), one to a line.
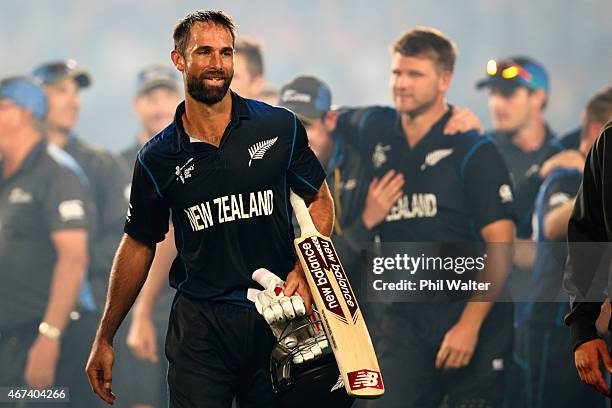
(341, 316)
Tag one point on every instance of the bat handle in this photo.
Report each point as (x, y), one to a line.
(302, 214)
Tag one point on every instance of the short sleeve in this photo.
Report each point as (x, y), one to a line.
(67, 204)
(148, 211)
(559, 191)
(304, 173)
(487, 184)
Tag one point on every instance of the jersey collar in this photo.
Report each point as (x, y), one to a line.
(240, 111)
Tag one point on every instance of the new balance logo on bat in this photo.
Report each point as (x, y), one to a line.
(258, 150)
(364, 379)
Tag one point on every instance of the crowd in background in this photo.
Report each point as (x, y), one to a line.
(63, 203)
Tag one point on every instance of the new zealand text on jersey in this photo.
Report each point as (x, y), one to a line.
(230, 208)
(422, 205)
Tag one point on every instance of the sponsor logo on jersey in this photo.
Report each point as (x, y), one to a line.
(379, 157)
(19, 196)
(128, 217)
(184, 172)
(434, 157)
(364, 379)
(70, 210)
(420, 205)
(505, 193)
(258, 150)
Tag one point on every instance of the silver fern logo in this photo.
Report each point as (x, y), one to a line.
(258, 150)
(434, 157)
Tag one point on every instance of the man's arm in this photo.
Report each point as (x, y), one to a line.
(555, 222)
(128, 274)
(460, 341)
(68, 273)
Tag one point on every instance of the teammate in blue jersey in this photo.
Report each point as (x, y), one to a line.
(427, 350)
(223, 168)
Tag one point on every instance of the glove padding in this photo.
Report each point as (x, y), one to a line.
(285, 314)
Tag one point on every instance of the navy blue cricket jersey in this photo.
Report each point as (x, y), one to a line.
(454, 185)
(558, 188)
(230, 205)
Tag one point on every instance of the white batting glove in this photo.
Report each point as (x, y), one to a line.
(272, 302)
(285, 314)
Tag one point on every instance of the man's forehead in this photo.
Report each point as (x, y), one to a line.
(412, 60)
(210, 34)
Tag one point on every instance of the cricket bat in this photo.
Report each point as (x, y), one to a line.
(340, 313)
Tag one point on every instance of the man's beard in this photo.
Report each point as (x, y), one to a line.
(422, 108)
(209, 95)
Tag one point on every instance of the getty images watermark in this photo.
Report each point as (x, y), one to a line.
(412, 265)
(466, 271)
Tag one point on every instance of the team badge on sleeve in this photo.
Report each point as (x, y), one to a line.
(70, 210)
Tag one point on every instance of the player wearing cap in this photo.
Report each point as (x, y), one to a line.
(43, 239)
(554, 380)
(427, 351)
(518, 93)
(224, 168)
(62, 82)
(310, 99)
(157, 95)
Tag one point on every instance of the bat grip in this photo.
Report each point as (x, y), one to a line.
(302, 214)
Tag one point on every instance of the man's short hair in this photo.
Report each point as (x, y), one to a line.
(429, 43)
(183, 27)
(598, 109)
(251, 50)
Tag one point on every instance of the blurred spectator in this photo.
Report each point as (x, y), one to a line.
(310, 99)
(554, 382)
(44, 209)
(249, 75)
(140, 374)
(62, 82)
(157, 95)
(518, 94)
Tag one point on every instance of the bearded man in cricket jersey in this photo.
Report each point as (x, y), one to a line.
(226, 226)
